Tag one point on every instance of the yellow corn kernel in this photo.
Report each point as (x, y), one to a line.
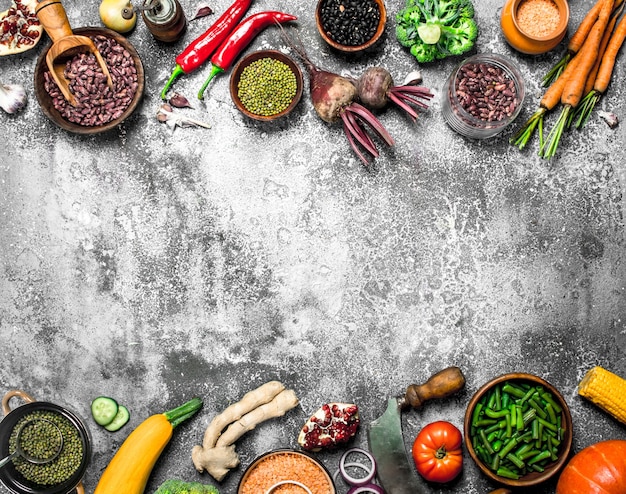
(606, 390)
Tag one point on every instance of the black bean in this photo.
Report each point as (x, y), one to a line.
(350, 22)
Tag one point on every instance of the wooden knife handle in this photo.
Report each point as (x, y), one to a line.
(440, 385)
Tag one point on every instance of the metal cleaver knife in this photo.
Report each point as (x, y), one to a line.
(385, 433)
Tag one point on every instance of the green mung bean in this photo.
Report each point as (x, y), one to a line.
(64, 465)
(266, 87)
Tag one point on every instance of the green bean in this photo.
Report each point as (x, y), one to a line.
(507, 473)
(515, 460)
(495, 414)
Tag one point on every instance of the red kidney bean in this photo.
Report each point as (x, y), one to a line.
(97, 103)
(486, 91)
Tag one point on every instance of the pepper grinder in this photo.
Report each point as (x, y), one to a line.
(165, 19)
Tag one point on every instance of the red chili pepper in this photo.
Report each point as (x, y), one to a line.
(239, 39)
(202, 47)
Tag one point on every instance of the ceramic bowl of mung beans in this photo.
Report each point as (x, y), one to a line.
(482, 96)
(266, 85)
(518, 430)
(61, 475)
(351, 26)
(99, 107)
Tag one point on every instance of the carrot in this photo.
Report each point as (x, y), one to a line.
(598, 81)
(548, 102)
(573, 91)
(576, 41)
(574, 87)
(610, 55)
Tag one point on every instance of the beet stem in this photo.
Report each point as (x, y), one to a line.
(369, 118)
(353, 144)
(359, 133)
(400, 103)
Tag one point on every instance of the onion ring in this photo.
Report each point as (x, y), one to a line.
(354, 481)
(293, 482)
(366, 489)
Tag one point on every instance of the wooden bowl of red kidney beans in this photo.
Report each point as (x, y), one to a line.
(351, 26)
(99, 107)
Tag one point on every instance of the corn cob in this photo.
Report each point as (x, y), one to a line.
(606, 390)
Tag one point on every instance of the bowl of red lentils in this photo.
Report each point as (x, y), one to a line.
(482, 96)
(99, 107)
(534, 27)
(351, 26)
(286, 470)
(266, 85)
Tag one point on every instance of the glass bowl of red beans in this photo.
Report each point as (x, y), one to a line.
(482, 96)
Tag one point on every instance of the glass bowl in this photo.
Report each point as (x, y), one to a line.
(482, 96)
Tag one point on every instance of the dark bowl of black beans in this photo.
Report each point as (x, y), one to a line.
(99, 107)
(482, 96)
(351, 26)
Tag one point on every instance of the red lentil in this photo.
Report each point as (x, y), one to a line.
(538, 18)
(280, 466)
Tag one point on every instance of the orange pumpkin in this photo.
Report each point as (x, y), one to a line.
(597, 469)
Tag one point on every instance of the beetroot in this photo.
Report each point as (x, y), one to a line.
(335, 98)
(376, 89)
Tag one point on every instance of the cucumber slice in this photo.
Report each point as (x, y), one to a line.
(104, 410)
(120, 420)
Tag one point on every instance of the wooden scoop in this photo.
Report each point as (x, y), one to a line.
(65, 44)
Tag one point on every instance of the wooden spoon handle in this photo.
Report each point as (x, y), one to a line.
(53, 18)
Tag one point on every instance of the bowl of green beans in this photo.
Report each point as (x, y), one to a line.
(518, 430)
(266, 85)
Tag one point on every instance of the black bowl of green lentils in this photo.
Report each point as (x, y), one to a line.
(65, 472)
(266, 85)
(351, 26)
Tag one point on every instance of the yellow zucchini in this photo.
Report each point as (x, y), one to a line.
(130, 468)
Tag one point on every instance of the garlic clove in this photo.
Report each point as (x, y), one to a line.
(202, 10)
(12, 97)
(610, 118)
(413, 78)
(179, 101)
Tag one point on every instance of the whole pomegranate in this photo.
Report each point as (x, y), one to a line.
(597, 469)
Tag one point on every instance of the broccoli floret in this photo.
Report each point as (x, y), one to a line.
(436, 29)
(460, 37)
(424, 53)
(406, 35)
(177, 486)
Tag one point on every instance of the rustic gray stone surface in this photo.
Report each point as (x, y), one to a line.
(153, 266)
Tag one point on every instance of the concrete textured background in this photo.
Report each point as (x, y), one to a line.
(154, 266)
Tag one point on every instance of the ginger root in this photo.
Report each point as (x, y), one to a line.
(217, 454)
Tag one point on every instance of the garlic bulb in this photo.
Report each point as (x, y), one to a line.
(12, 97)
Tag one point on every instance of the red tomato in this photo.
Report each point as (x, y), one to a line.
(437, 452)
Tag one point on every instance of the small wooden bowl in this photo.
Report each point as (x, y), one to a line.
(253, 57)
(45, 102)
(534, 478)
(348, 48)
